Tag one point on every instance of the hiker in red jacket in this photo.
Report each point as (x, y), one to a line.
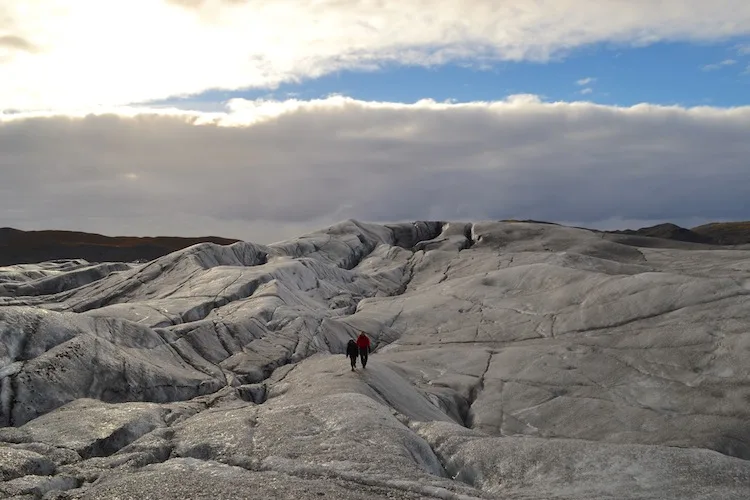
(364, 348)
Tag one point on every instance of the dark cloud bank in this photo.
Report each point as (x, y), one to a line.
(310, 164)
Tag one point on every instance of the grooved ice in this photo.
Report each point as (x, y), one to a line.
(510, 360)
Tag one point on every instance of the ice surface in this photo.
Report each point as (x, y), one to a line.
(510, 360)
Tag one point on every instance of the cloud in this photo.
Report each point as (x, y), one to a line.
(16, 43)
(723, 64)
(265, 170)
(585, 82)
(198, 4)
(743, 49)
(92, 52)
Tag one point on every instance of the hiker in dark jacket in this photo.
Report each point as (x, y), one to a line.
(364, 348)
(352, 350)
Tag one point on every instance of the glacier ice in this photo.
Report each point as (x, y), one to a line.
(511, 360)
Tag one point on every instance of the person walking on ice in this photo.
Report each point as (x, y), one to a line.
(363, 342)
(352, 350)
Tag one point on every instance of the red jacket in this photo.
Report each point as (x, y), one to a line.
(362, 341)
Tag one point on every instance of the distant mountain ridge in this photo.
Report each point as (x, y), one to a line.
(25, 247)
(715, 233)
(509, 360)
(668, 231)
(726, 233)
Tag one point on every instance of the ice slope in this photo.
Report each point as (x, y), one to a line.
(511, 360)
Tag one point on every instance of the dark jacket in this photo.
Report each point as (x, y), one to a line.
(351, 349)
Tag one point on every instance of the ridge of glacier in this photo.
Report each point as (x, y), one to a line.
(510, 360)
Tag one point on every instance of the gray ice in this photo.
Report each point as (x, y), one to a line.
(510, 360)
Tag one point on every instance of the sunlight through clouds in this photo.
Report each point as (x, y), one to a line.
(82, 53)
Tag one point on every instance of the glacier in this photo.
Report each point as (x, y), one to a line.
(514, 360)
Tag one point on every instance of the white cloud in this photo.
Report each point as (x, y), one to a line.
(265, 170)
(586, 83)
(743, 49)
(723, 64)
(13, 42)
(73, 53)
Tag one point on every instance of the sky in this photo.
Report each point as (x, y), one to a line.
(267, 119)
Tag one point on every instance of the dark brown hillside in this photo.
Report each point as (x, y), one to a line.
(668, 232)
(23, 247)
(725, 233)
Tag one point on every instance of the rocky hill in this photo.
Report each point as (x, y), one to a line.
(725, 233)
(510, 360)
(23, 247)
(717, 233)
(669, 232)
